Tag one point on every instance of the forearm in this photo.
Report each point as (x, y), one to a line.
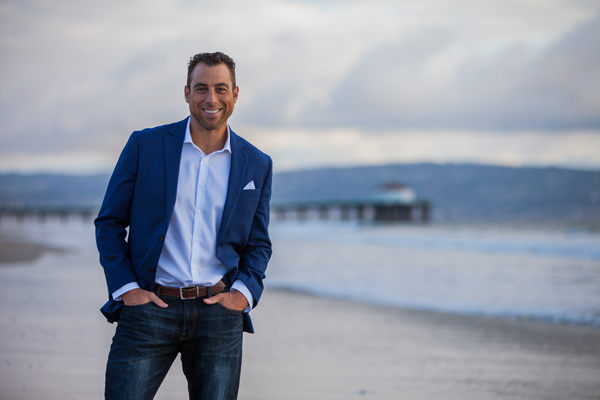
(114, 219)
(257, 252)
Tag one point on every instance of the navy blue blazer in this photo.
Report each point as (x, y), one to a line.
(141, 196)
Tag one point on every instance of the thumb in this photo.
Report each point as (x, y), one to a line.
(214, 299)
(156, 300)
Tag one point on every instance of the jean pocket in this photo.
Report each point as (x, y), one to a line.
(237, 312)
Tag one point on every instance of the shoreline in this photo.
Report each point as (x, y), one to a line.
(22, 251)
(516, 318)
(15, 251)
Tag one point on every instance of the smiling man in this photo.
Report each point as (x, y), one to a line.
(195, 197)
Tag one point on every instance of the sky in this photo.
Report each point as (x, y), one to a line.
(322, 83)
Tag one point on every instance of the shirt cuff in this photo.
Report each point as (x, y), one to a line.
(243, 289)
(124, 289)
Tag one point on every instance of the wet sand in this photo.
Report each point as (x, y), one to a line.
(54, 342)
(12, 251)
(319, 348)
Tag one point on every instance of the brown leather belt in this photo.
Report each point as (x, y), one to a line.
(189, 292)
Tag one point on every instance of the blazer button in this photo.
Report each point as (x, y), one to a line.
(161, 238)
(152, 269)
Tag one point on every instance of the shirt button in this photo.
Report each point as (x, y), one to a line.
(193, 267)
(198, 212)
(196, 240)
(201, 185)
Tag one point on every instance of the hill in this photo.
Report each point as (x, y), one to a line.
(466, 192)
(460, 192)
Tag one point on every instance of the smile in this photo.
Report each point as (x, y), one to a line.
(211, 111)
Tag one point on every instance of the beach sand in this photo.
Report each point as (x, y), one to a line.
(54, 343)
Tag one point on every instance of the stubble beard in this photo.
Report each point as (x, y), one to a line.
(211, 125)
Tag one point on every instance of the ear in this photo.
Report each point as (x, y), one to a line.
(186, 93)
(236, 91)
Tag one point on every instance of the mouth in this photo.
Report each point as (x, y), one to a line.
(212, 111)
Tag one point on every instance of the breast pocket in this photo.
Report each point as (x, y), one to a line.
(250, 193)
(248, 199)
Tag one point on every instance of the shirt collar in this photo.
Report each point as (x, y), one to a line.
(188, 138)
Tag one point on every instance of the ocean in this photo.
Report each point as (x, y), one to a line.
(549, 273)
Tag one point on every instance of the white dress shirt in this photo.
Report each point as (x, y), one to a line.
(189, 256)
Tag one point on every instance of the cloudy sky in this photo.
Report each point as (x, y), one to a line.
(322, 83)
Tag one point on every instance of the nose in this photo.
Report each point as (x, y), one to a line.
(211, 97)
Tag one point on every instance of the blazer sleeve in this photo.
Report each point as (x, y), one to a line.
(114, 218)
(257, 252)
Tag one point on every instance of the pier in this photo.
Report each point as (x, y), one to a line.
(375, 211)
(392, 202)
(41, 213)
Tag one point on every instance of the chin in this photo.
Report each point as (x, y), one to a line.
(212, 125)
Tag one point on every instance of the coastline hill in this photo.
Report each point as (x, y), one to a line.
(458, 192)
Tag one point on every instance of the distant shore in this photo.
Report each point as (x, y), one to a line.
(13, 251)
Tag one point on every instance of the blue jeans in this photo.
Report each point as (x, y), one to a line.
(148, 338)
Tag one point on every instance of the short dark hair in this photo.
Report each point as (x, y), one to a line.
(211, 59)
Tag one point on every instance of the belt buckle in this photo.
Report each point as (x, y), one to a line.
(187, 287)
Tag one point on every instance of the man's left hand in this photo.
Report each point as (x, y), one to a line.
(233, 300)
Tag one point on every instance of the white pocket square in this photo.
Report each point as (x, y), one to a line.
(249, 186)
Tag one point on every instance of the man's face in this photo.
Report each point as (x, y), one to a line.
(211, 95)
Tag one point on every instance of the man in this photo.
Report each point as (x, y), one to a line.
(195, 198)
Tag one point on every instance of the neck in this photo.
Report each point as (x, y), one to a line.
(208, 140)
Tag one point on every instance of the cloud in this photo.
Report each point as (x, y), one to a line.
(303, 148)
(401, 85)
(79, 77)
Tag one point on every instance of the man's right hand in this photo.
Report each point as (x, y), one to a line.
(135, 297)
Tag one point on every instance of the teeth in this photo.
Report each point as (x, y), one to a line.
(211, 111)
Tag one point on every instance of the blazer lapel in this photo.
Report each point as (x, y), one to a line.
(173, 146)
(237, 172)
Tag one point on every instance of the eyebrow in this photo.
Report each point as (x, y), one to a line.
(220, 84)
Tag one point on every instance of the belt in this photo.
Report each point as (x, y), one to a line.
(189, 292)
